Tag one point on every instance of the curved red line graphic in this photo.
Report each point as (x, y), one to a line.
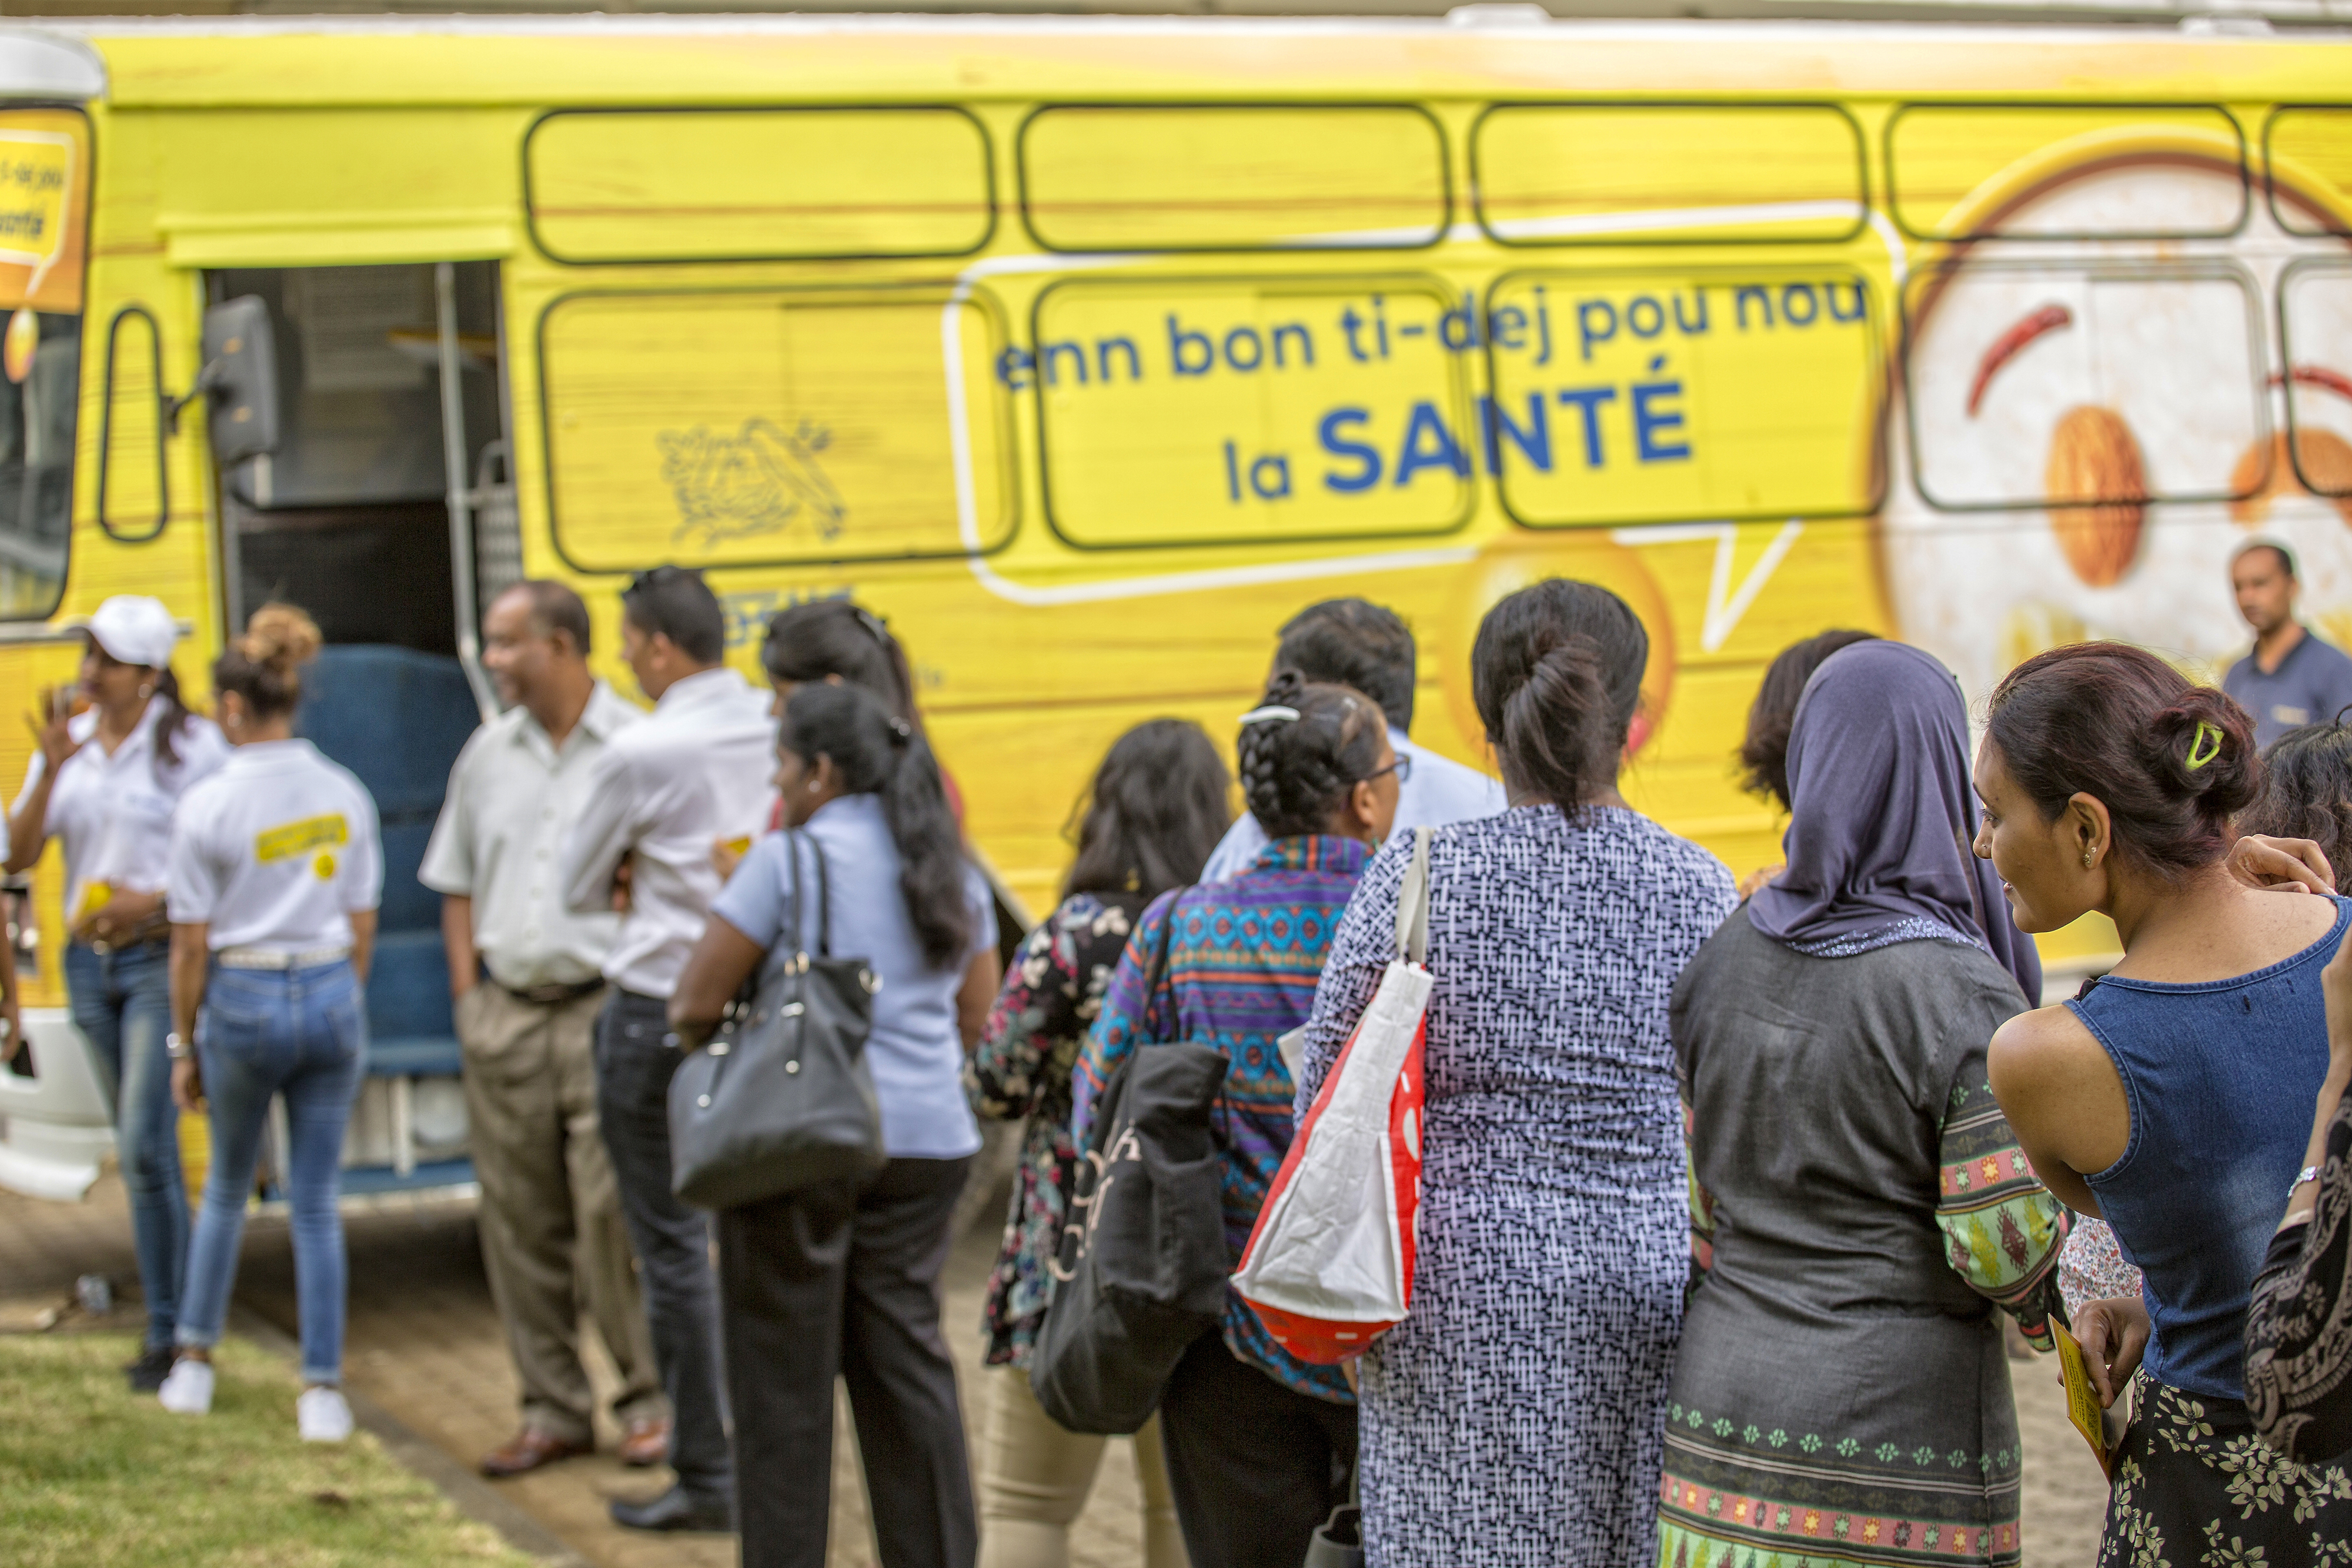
(2012, 343)
(2318, 376)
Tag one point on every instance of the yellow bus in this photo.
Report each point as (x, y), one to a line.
(1088, 350)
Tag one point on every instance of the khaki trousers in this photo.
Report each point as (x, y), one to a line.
(550, 1216)
(1035, 1477)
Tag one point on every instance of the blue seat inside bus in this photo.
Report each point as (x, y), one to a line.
(397, 718)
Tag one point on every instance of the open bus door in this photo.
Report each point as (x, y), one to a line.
(381, 504)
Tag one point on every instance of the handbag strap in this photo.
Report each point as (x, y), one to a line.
(1412, 903)
(793, 838)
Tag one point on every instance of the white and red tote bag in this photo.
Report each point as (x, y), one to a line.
(1330, 1264)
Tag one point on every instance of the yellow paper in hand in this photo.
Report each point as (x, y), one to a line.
(95, 896)
(741, 847)
(2083, 1406)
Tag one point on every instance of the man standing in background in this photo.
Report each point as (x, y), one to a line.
(2291, 678)
(1353, 643)
(692, 774)
(552, 1239)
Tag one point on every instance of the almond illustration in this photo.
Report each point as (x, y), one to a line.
(2098, 493)
(2264, 472)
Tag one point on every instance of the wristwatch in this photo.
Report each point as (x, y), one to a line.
(175, 1046)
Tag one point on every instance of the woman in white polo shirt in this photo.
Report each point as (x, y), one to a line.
(104, 782)
(275, 875)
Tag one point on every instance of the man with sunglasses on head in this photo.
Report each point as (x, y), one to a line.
(1353, 643)
(693, 772)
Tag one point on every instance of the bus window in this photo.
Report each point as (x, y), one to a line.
(1660, 396)
(2308, 155)
(623, 185)
(1667, 173)
(2034, 385)
(1277, 411)
(44, 200)
(1969, 170)
(764, 427)
(2316, 318)
(1261, 177)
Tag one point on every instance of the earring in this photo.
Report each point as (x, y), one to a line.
(811, 786)
(146, 691)
(2086, 860)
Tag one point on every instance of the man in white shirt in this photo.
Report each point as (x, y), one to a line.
(526, 984)
(693, 774)
(1351, 643)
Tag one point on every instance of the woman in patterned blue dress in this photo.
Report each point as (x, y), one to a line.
(1517, 1414)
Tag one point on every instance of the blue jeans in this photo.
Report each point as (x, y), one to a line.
(301, 1033)
(123, 1003)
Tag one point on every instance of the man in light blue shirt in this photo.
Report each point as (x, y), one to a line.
(1352, 642)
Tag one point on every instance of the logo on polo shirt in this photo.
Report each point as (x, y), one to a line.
(289, 840)
(2292, 717)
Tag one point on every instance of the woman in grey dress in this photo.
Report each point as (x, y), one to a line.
(1859, 1205)
(1515, 1416)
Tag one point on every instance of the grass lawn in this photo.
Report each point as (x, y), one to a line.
(97, 1476)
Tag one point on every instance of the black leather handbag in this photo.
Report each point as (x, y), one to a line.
(1141, 1271)
(780, 1099)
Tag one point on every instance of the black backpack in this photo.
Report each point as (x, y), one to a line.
(1141, 1271)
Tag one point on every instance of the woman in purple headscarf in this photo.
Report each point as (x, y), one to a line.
(1859, 1206)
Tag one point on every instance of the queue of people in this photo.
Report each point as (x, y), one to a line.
(1724, 1191)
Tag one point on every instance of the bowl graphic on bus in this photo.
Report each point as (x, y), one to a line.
(2151, 365)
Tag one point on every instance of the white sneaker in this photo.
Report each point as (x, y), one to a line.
(187, 1388)
(322, 1415)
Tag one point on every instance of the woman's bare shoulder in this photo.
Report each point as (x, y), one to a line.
(2043, 1045)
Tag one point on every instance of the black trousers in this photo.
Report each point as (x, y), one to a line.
(672, 1240)
(846, 1279)
(1256, 1466)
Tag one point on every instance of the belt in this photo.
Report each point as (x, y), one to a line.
(553, 994)
(154, 930)
(264, 959)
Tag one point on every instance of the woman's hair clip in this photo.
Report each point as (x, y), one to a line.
(2204, 745)
(901, 732)
(1272, 713)
(872, 623)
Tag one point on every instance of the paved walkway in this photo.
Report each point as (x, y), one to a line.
(425, 1345)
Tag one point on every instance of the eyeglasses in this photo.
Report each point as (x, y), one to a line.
(1401, 767)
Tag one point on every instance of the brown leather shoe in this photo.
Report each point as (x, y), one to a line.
(528, 1450)
(645, 1443)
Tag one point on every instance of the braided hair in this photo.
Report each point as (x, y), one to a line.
(1303, 749)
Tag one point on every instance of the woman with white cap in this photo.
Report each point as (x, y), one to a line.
(105, 781)
(275, 870)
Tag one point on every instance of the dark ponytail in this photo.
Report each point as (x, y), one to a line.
(877, 753)
(1298, 763)
(173, 722)
(828, 638)
(1557, 675)
(2172, 761)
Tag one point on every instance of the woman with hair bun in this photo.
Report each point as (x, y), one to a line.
(2172, 1097)
(1516, 1416)
(1258, 1444)
(274, 878)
